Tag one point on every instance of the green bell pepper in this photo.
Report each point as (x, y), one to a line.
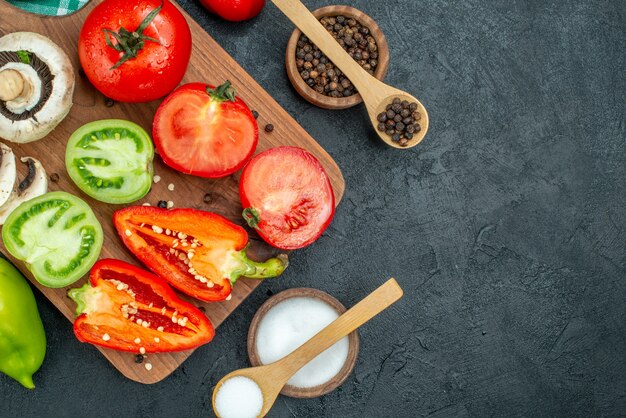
(22, 338)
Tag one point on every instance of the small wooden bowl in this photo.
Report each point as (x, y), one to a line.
(353, 342)
(336, 102)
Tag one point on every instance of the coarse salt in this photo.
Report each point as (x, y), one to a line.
(239, 397)
(291, 323)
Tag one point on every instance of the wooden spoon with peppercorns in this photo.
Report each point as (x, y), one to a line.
(399, 118)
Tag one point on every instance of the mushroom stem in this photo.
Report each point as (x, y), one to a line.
(13, 85)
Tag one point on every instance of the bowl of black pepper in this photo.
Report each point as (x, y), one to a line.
(316, 78)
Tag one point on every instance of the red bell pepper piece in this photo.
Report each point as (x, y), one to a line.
(200, 253)
(126, 308)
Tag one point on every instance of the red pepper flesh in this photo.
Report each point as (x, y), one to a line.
(200, 253)
(126, 308)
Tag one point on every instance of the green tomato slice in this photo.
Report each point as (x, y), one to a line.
(111, 160)
(57, 236)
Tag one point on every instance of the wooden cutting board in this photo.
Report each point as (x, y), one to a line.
(209, 63)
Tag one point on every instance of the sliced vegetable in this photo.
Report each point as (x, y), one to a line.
(8, 173)
(126, 308)
(135, 51)
(199, 253)
(34, 184)
(287, 197)
(205, 131)
(56, 235)
(22, 337)
(235, 11)
(36, 86)
(111, 160)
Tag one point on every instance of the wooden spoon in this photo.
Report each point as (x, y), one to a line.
(272, 377)
(376, 94)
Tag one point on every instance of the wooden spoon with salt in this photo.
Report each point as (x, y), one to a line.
(272, 377)
(376, 94)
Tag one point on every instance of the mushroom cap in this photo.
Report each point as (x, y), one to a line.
(58, 104)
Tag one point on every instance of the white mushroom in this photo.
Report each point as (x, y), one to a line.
(8, 173)
(36, 86)
(35, 184)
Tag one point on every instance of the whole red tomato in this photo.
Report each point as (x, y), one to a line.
(234, 10)
(135, 51)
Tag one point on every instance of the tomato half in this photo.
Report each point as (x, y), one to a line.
(56, 235)
(135, 51)
(111, 160)
(205, 131)
(287, 197)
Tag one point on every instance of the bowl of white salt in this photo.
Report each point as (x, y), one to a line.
(289, 319)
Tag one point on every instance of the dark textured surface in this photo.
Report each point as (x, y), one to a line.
(506, 227)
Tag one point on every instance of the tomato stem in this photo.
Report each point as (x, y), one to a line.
(130, 43)
(222, 92)
(252, 217)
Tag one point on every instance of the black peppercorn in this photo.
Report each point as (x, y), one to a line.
(162, 204)
(108, 102)
(399, 122)
(54, 177)
(139, 358)
(354, 38)
(255, 114)
(269, 127)
(207, 198)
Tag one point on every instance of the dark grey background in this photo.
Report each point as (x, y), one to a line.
(506, 227)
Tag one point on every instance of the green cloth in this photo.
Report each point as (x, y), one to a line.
(49, 7)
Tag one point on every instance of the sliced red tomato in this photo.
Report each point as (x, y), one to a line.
(287, 197)
(200, 253)
(126, 308)
(135, 51)
(205, 131)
